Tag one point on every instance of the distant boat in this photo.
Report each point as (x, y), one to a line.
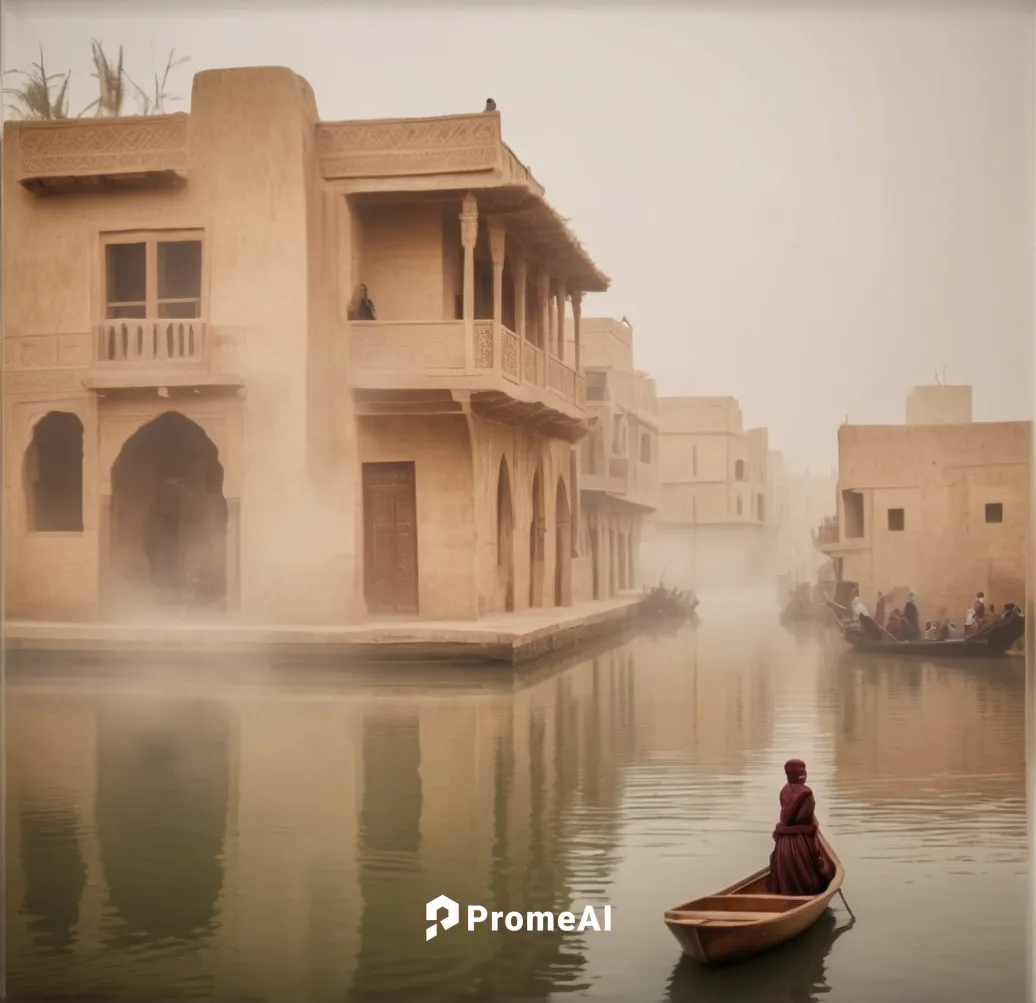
(745, 919)
(993, 642)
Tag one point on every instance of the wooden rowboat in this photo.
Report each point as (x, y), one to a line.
(744, 919)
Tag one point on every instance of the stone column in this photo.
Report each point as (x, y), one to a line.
(552, 320)
(561, 319)
(543, 302)
(468, 237)
(521, 279)
(497, 243)
(577, 313)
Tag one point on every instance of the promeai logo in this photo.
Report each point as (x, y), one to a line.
(593, 918)
(431, 913)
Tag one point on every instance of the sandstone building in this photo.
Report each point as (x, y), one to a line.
(619, 463)
(940, 507)
(197, 394)
(715, 525)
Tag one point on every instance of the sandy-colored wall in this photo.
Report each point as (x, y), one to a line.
(939, 405)
(942, 476)
(402, 261)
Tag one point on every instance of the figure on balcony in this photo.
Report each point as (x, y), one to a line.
(360, 306)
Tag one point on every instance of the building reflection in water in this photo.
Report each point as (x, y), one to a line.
(274, 835)
(162, 803)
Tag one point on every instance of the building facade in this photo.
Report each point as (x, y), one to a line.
(308, 371)
(941, 508)
(714, 525)
(619, 457)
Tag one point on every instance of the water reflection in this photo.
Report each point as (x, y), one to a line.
(275, 834)
(796, 973)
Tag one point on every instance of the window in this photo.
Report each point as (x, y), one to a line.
(153, 276)
(896, 520)
(739, 470)
(596, 386)
(739, 505)
(994, 512)
(761, 508)
(645, 448)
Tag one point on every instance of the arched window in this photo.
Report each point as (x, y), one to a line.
(739, 470)
(53, 473)
(645, 448)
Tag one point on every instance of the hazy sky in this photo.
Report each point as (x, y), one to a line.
(811, 211)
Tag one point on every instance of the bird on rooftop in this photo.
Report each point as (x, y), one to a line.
(490, 105)
(625, 321)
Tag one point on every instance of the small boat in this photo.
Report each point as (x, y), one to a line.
(745, 919)
(993, 642)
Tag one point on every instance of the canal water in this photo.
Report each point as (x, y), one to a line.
(273, 834)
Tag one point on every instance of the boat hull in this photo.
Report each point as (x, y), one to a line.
(743, 920)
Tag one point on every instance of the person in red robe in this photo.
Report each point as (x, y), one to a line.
(798, 864)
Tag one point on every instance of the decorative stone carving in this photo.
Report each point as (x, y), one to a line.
(509, 352)
(483, 346)
(102, 146)
(469, 221)
(42, 381)
(454, 144)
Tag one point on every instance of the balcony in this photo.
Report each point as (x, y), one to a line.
(508, 379)
(630, 480)
(135, 353)
(826, 536)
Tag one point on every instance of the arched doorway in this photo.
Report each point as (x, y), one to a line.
(505, 535)
(168, 527)
(53, 475)
(537, 531)
(562, 548)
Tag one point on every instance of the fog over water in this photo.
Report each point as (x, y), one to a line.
(274, 835)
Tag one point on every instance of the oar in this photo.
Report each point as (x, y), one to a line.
(846, 904)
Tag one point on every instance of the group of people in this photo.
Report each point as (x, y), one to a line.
(905, 624)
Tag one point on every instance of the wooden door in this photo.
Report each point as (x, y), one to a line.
(390, 538)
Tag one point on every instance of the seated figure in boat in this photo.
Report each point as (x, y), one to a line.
(866, 623)
(798, 864)
(896, 625)
(970, 622)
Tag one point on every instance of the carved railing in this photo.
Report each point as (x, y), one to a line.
(142, 341)
(436, 347)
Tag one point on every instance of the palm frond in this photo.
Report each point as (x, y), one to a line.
(35, 97)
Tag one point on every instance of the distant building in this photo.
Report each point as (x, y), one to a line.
(620, 460)
(939, 405)
(714, 524)
(942, 508)
(801, 499)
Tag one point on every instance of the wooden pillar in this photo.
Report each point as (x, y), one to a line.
(468, 237)
(521, 278)
(543, 302)
(561, 319)
(497, 242)
(577, 313)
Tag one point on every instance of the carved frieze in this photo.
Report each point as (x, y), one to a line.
(42, 381)
(455, 144)
(102, 146)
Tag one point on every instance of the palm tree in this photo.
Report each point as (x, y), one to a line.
(35, 97)
(155, 104)
(111, 83)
